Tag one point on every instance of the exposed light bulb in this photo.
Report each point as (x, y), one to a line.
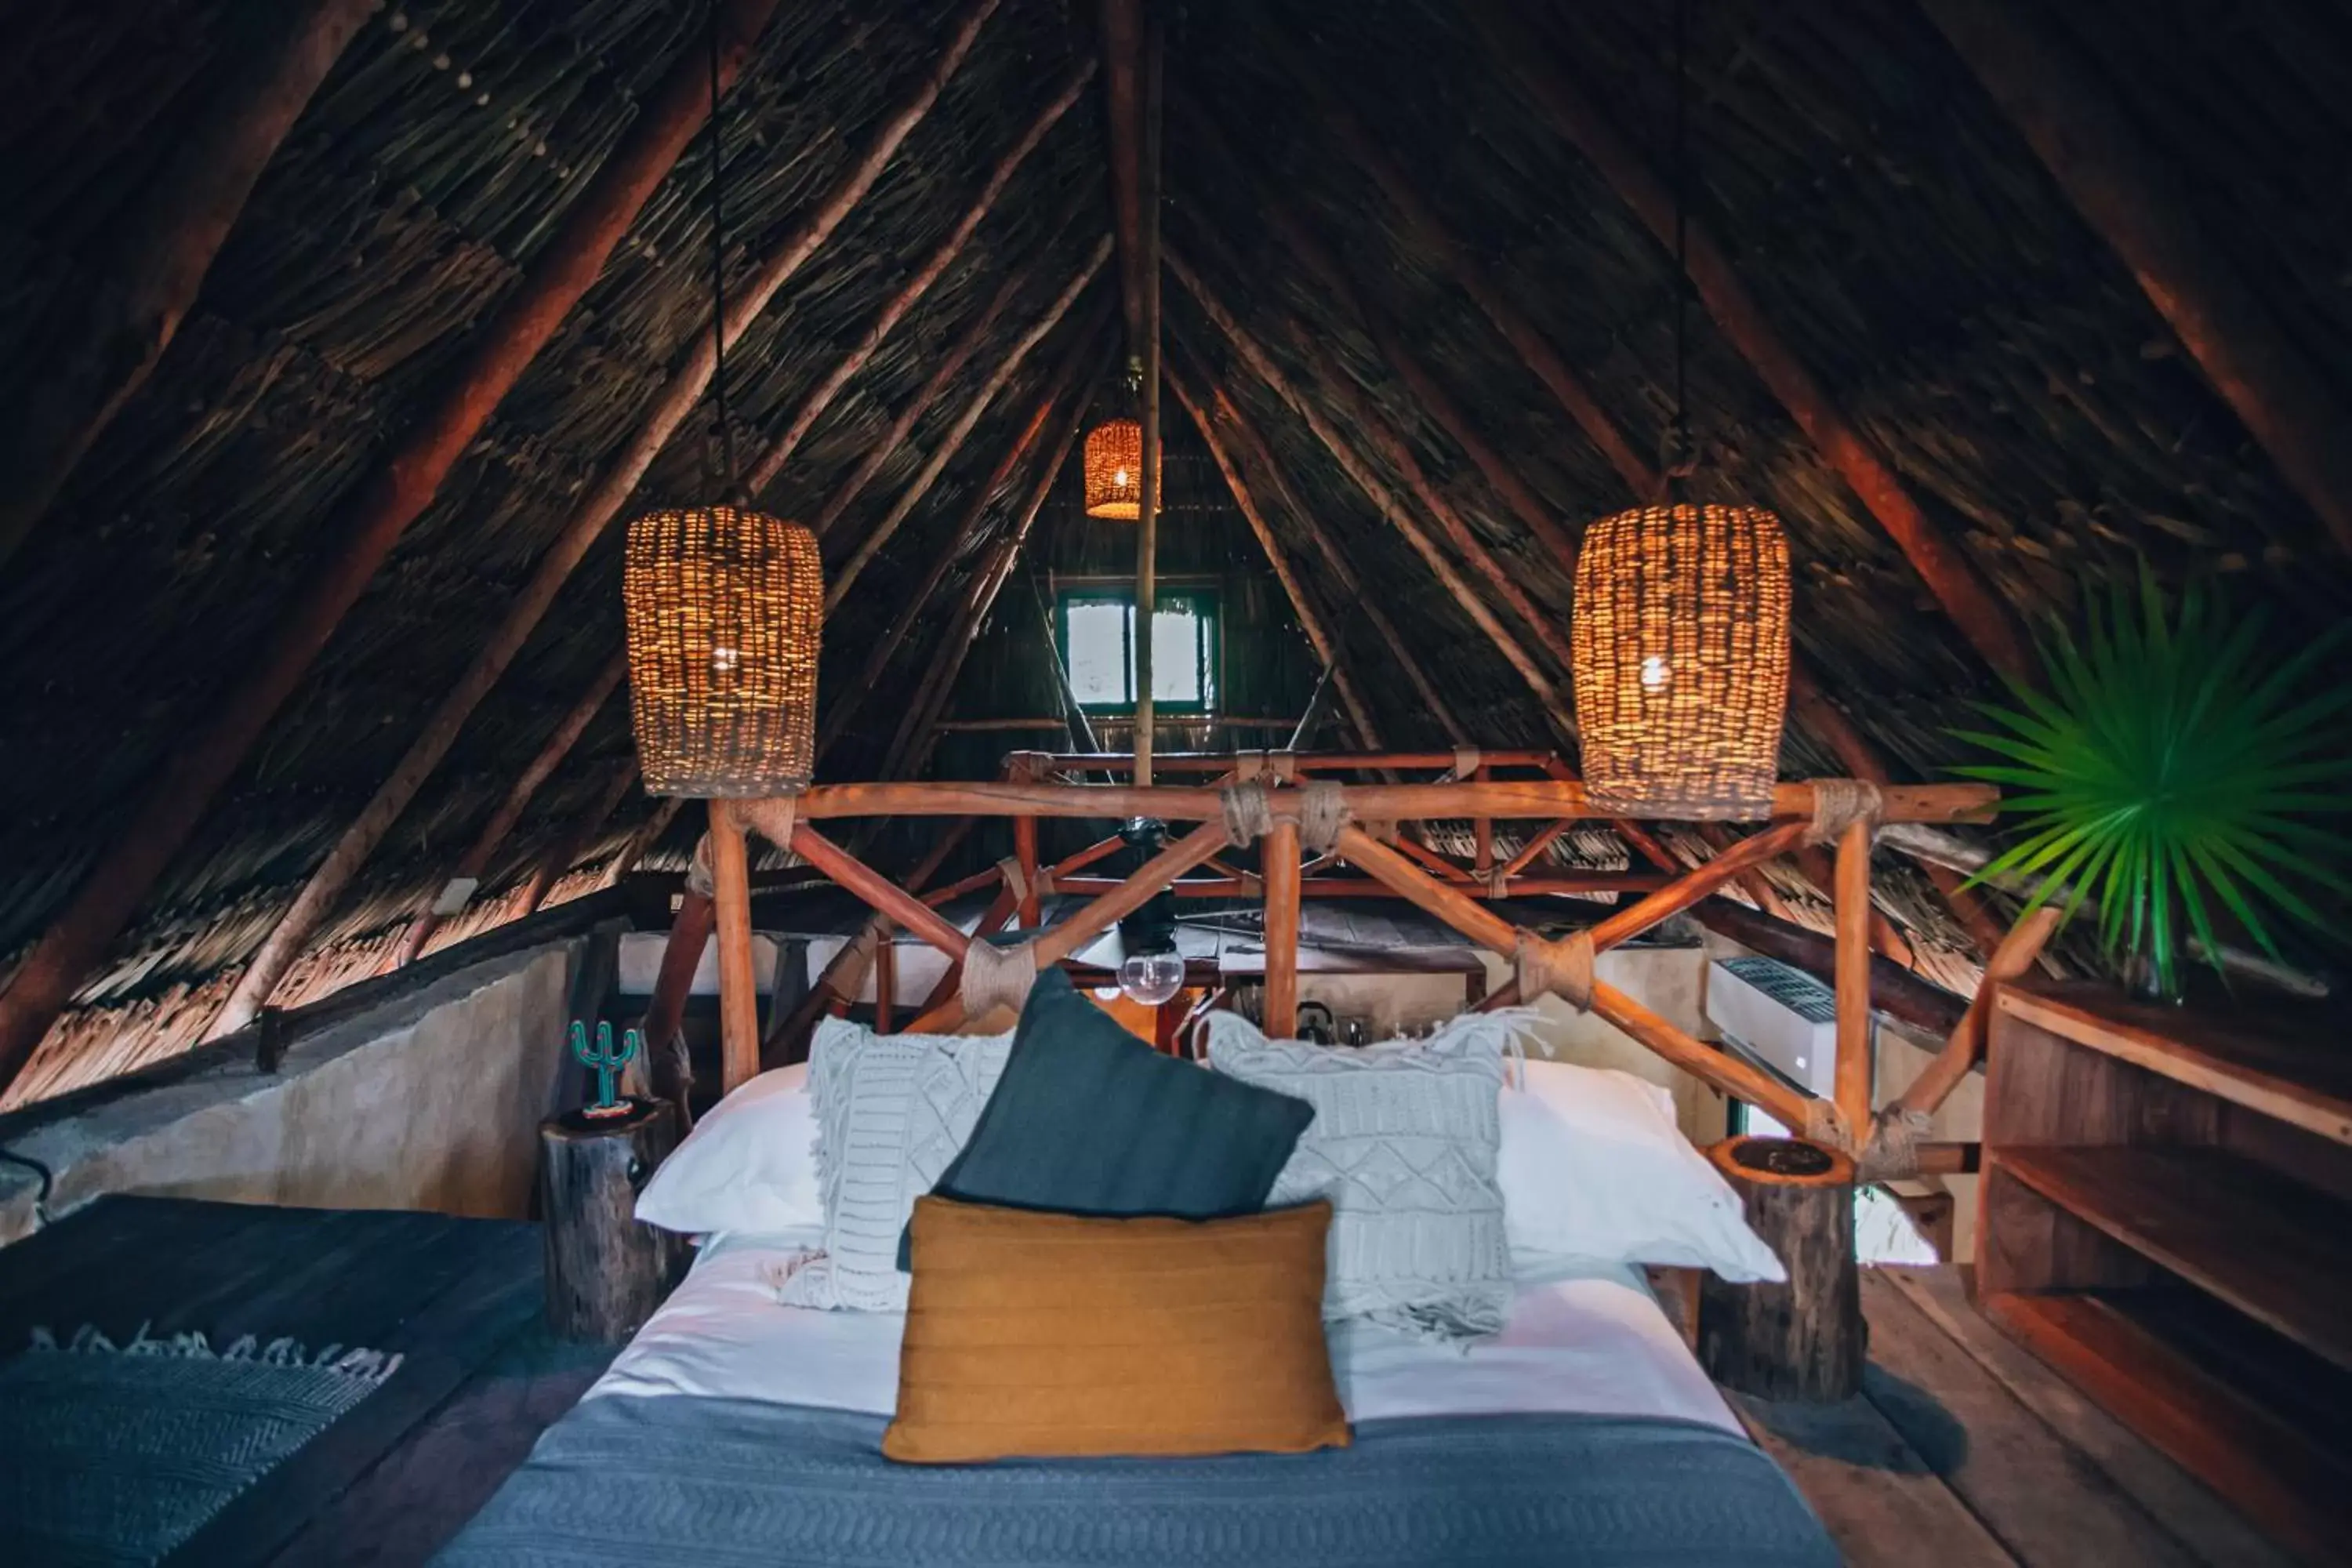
(1150, 978)
(1655, 673)
(1119, 479)
(724, 659)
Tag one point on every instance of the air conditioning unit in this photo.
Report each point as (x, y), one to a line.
(1782, 1017)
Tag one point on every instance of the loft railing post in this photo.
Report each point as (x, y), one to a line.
(739, 1002)
(1280, 864)
(1852, 908)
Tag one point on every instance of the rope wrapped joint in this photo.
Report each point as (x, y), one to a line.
(1839, 804)
(996, 977)
(1248, 812)
(1562, 968)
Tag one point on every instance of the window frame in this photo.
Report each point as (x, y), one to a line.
(1208, 617)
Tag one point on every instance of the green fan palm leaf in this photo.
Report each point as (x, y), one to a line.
(2177, 768)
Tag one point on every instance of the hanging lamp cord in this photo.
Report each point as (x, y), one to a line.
(726, 426)
(1680, 454)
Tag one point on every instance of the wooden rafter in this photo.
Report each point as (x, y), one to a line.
(1948, 575)
(97, 352)
(2085, 138)
(1122, 32)
(596, 513)
(399, 492)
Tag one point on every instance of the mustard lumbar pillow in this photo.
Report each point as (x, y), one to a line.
(1052, 1335)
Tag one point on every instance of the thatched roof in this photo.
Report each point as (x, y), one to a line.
(1891, 224)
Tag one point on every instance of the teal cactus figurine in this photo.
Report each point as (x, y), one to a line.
(607, 1062)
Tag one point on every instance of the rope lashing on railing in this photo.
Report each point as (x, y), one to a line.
(996, 976)
(1839, 804)
(1028, 767)
(1563, 968)
(1248, 812)
(1467, 759)
(1322, 813)
(1251, 766)
(1499, 883)
(1019, 884)
(1892, 1151)
(699, 878)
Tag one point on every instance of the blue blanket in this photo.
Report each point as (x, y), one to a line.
(622, 1480)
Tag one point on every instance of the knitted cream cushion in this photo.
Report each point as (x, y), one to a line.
(1404, 1145)
(892, 1112)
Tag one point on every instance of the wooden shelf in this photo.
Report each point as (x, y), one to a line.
(2277, 1251)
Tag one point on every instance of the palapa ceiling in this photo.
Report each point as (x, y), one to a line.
(1895, 229)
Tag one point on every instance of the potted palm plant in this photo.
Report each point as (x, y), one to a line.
(2173, 766)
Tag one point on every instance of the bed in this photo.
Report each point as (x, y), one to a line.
(732, 1429)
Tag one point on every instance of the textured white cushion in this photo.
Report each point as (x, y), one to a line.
(749, 1165)
(892, 1110)
(1594, 1168)
(1404, 1143)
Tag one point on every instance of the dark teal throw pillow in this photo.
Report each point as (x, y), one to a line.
(1088, 1119)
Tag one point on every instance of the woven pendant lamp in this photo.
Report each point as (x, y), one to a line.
(1680, 636)
(1114, 470)
(725, 613)
(1681, 646)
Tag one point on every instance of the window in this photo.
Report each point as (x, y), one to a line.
(1094, 630)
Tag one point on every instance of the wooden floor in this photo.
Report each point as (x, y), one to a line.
(1966, 1452)
(396, 1479)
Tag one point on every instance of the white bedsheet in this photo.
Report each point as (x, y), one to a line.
(1598, 1344)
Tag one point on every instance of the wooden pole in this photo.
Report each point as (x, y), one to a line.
(1856, 1054)
(1227, 415)
(1949, 575)
(960, 538)
(845, 576)
(402, 488)
(468, 875)
(689, 933)
(2125, 189)
(878, 891)
(738, 998)
(818, 399)
(1327, 646)
(95, 349)
(1279, 857)
(1385, 500)
(1147, 526)
(2009, 960)
(1121, 31)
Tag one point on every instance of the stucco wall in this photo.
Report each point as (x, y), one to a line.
(428, 1102)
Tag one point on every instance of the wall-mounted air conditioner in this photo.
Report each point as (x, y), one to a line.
(1782, 1017)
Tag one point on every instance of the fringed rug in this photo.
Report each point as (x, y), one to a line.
(118, 1455)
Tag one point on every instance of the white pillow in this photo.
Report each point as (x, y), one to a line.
(1594, 1167)
(749, 1165)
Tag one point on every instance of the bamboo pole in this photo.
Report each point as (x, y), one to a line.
(1146, 488)
(467, 873)
(1327, 646)
(966, 530)
(1526, 799)
(2009, 960)
(2124, 190)
(1948, 575)
(1226, 414)
(738, 999)
(1855, 1051)
(820, 397)
(1279, 856)
(402, 488)
(1385, 500)
(563, 850)
(98, 349)
(951, 440)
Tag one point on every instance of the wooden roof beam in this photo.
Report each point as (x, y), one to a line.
(399, 492)
(1967, 597)
(951, 440)
(1254, 451)
(2085, 137)
(1262, 366)
(99, 350)
(1327, 646)
(680, 397)
(1122, 34)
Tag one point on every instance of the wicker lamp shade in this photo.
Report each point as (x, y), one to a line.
(1681, 644)
(725, 611)
(1114, 470)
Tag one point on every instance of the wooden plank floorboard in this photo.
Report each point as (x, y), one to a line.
(2209, 1528)
(2041, 1497)
(1881, 1501)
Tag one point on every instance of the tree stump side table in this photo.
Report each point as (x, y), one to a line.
(605, 1272)
(1804, 1339)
